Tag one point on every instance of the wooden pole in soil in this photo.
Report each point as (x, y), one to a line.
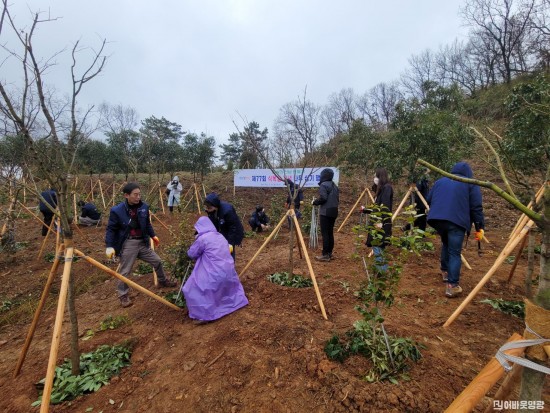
(161, 223)
(48, 385)
(508, 384)
(370, 195)
(101, 192)
(204, 190)
(310, 267)
(32, 213)
(92, 190)
(46, 237)
(482, 383)
(517, 257)
(161, 197)
(273, 233)
(523, 218)
(351, 210)
(126, 280)
(500, 259)
(197, 196)
(152, 244)
(75, 219)
(41, 303)
(398, 210)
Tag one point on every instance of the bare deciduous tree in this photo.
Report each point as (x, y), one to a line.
(340, 112)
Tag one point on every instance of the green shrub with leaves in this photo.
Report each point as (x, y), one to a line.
(176, 298)
(287, 280)
(112, 323)
(390, 356)
(515, 308)
(96, 369)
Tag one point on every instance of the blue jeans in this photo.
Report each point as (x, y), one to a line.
(452, 237)
(380, 262)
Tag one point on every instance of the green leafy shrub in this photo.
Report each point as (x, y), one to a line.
(112, 323)
(287, 280)
(515, 308)
(96, 369)
(176, 298)
(371, 343)
(143, 268)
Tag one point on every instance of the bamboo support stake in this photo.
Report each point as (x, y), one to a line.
(500, 259)
(204, 190)
(508, 384)
(101, 192)
(297, 230)
(92, 190)
(398, 210)
(517, 257)
(482, 383)
(310, 267)
(155, 276)
(126, 280)
(161, 197)
(351, 210)
(41, 303)
(161, 223)
(523, 218)
(466, 264)
(32, 213)
(74, 209)
(273, 233)
(370, 195)
(152, 189)
(46, 237)
(197, 196)
(48, 385)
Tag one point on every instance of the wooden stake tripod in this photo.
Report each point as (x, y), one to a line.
(355, 206)
(290, 214)
(69, 252)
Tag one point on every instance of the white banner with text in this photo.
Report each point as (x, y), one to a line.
(265, 178)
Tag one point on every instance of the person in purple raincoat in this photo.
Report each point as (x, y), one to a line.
(213, 290)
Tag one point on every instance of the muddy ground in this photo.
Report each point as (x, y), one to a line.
(268, 356)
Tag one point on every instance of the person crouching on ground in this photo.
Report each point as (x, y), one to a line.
(128, 235)
(225, 219)
(328, 200)
(89, 215)
(454, 206)
(259, 221)
(213, 290)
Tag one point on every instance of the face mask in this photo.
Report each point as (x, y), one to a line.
(376, 180)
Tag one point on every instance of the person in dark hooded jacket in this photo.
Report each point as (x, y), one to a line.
(328, 201)
(454, 206)
(225, 219)
(383, 199)
(259, 221)
(298, 199)
(46, 207)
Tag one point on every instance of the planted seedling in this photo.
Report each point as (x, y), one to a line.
(514, 308)
(286, 280)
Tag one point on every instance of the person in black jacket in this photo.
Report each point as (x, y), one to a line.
(225, 219)
(89, 215)
(384, 200)
(259, 221)
(47, 207)
(329, 198)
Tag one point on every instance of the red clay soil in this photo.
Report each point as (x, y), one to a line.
(267, 357)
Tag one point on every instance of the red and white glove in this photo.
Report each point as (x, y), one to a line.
(156, 241)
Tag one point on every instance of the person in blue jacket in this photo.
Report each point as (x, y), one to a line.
(454, 206)
(225, 219)
(89, 215)
(128, 235)
(259, 221)
(47, 207)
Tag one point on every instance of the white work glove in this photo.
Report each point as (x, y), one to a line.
(110, 253)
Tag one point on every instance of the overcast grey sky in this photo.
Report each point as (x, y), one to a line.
(200, 62)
